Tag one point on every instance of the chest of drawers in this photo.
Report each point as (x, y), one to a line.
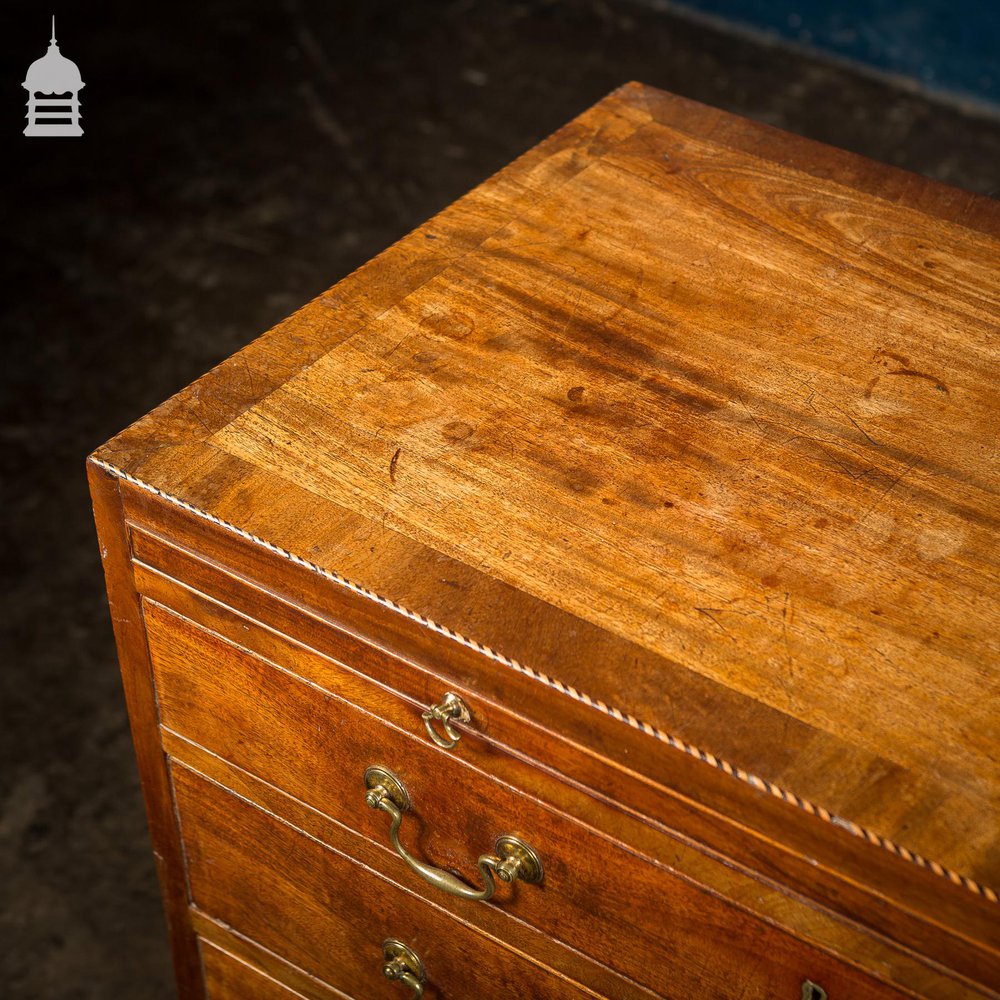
(593, 595)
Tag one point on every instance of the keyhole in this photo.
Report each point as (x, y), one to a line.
(810, 991)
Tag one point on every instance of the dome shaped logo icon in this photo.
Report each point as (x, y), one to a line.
(53, 84)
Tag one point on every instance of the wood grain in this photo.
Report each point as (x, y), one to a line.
(569, 962)
(228, 978)
(649, 821)
(317, 747)
(288, 864)
(689, 497)
(913, 976)
(735, 412)
(240, 948)
(329, 916)
(756, 831)
(140, 696)
(674, 447)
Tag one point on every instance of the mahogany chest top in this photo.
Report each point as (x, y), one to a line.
(685, 429)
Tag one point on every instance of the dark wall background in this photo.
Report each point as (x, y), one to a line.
(951, 47)
(239, 158)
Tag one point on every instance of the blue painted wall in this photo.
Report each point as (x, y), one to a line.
(945, 45)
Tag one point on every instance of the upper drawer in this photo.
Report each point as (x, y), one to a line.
(627, 911)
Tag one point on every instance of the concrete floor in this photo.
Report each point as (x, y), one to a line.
(236, 162)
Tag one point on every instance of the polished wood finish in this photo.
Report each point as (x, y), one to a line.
(316, 747)
(641, 836)
(213, 933)
(753, 488)
(228, 978)
(672, 449)
(265, 879)
(133, 654)
(521, 938)
(841, 872)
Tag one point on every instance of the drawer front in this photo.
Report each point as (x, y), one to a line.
(843, 894)
(228, 978)
(622, 909)
(329, 916)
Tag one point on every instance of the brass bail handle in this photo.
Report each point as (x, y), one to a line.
(402, 964)
(450, 710)
(513, 860)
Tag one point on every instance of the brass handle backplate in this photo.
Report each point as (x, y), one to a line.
(403, 965)
(450, 710)
(513, 860)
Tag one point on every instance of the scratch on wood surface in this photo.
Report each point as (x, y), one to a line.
(392, 465)
(399, 343)
(872, 507)
(710, 613)
(860, 428)
(786, 618)
(249, 374)
(821, 444)
(206, 426)
(750, 414)
(815, 393)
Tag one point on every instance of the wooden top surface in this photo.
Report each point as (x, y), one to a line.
(705, 411)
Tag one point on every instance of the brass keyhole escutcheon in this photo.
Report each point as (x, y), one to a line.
(513, 860)
(402, 964)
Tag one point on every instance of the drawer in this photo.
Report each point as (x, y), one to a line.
(228, 978)
(329, 916)
(838, 894)
(671, 936)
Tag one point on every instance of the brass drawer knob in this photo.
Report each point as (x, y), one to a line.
(403, 965)
(513, 860)
(450, 710)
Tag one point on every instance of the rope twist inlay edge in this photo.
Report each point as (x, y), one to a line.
(581, 696)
